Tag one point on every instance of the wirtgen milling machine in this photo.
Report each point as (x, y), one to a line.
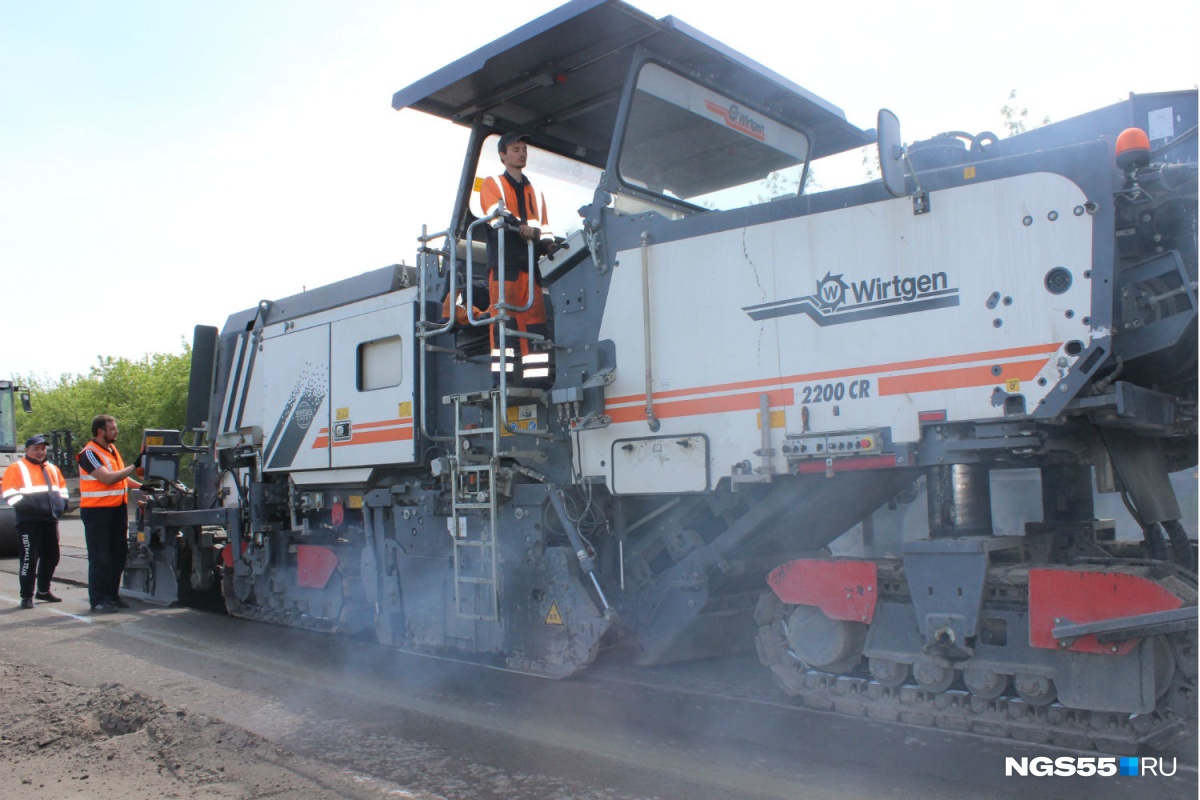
(744, 369)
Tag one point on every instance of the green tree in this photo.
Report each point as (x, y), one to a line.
(148, 393)
(870, 163)
(1015, 116)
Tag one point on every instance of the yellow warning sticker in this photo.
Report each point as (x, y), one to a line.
(1012, 385)
(554, 618)
(968, 173)
(522, 418)
(405, 409)
(778, 419)
(478, 184)
(154, 441)
(343, 413)
(354, 501)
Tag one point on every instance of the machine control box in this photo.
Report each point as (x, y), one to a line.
(832, 445)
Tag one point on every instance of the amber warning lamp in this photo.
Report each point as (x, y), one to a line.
(1133, 150)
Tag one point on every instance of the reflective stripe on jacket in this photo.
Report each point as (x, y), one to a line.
(521, 204)
(36, 491)
(93, 493)
(535, 213)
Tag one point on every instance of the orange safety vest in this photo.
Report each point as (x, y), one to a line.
(535, 364)
(26, 489)
(495, 188)
(93, 493)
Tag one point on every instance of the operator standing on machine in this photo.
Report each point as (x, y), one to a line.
(525, 209)
(37, 491)
(104, 485)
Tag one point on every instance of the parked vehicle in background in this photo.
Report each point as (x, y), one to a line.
(9, 452)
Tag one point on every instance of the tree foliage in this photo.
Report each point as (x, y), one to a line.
(148, 393)
(1015, 116)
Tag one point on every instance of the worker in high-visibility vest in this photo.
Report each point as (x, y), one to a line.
(104, 484)
(37, 492)
(525, 211)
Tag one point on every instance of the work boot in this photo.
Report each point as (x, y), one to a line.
(105, 608)
(26, 602)
(48, 597)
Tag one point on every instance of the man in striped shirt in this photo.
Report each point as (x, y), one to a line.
(104, 484)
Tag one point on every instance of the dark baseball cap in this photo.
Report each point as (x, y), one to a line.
(512, 137)
(33, 441)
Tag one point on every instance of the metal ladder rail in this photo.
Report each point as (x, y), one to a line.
(486, 544)
(425, 328)
(502, 306)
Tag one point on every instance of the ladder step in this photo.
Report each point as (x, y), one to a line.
(472, 543)
(469, 398)
(472, 505)
(484, 396)
(475, 431)
(479, 581)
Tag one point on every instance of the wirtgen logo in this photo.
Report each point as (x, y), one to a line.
(1088, 766)
(739, 120)
(838, 300)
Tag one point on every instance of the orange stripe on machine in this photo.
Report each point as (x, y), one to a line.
(959, 378)
(850, 372)
(630, 408)
(393, 430)
(707, 405)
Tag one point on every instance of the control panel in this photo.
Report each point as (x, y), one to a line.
(832, 445)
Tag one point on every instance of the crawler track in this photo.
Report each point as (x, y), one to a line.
(1005, 717)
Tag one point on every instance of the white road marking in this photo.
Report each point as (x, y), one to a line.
(17, 601)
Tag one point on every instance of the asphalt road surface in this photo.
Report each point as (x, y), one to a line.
(459, 731)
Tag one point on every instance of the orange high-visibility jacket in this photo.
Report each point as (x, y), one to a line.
(501, 186)
(93, 493)
(35, 491)
(524, 205)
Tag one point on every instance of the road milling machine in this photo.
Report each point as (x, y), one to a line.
(743, 370)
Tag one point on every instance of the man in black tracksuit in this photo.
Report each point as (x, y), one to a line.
(36, 490)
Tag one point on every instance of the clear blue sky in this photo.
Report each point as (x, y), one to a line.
(167, 163)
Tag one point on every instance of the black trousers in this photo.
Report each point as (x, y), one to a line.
(37, 551)
(106, 531)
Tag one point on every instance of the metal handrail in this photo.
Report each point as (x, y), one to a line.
(648, 353)
(422, 324)
(422, 289)
(496, 219)
(500, 307)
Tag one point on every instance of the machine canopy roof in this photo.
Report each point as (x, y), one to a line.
(560, 77)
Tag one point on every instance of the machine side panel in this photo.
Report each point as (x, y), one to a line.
(854, 319)
(295, 391)
(237, 400)
(372, 387)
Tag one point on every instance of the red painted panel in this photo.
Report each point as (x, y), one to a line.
(314, 565)
(1080, 596)
(227, 555)
(845, 464)
(842, 589)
